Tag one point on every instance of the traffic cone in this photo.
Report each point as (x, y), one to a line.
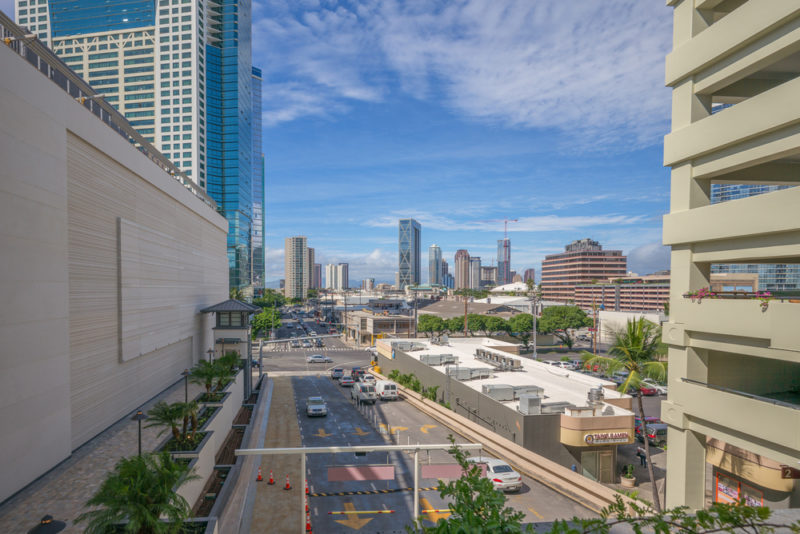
(306, 487)
(308, 522)
(288, 486)
(271, 480)
(306, 504)
(259, 478)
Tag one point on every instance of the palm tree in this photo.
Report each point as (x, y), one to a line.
(635, 350)
(167, 416)
(140, 490)
(189, 412)
(204, 373)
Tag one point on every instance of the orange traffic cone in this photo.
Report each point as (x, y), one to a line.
(306, 487)
(259, 478)
(271, 480)
(308, 522)
(288, 486)
(306, 504)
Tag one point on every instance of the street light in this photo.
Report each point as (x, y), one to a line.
(534, 293)
(210, 353)
(185, 374)
(48, 525)
(139, 417)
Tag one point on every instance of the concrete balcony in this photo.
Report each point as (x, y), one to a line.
(743, 318)
(744, 416)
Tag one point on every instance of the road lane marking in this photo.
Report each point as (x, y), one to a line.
(537, 514)
(322, 434)
(424, 428)
(433, 514)
(353, 521)
(360, 432)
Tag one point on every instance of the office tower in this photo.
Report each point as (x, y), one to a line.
(448, 281)
(258, 227)
(343, 274)
(445, 268)
(409, 253)
(310, 268)
(317, 278)
(503, 261)
(295, 265)
(488, 276)
(733, 363)
(581, 262)
(434, 265)
(771, 276)
(530, 274)
(462, 269)
(368, 284)
(181, 73)
(474, 272)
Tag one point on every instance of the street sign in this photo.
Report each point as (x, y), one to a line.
(592, 329)
(789, 472)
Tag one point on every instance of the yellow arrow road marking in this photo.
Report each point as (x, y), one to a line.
(537, 514)
(353, 521)
(322, 434)
(433, 516)
(360, 432)
(425, 428)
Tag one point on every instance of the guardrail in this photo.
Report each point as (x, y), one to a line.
(50, 65)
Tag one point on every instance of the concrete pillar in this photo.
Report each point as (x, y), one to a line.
(686, 461)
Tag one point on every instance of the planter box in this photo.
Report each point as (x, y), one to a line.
(194, 453)
(221, 395)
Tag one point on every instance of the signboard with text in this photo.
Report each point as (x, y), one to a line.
(603, 438)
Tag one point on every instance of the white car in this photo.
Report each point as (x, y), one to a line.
(367, 379)
(318, 358)
(315, 406)
(660, 389)
(503, 477)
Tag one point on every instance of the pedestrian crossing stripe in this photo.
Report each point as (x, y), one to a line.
(374, 492)
(306, 349)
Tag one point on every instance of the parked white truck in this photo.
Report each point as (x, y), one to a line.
(363, 392)
(386, 390)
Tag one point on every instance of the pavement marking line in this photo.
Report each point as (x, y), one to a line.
(433, 514)
(537, 514)
(360, 432)
(322, 434)
(424, 428)
(375, 492)
(352, 521)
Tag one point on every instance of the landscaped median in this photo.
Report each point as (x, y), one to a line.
(584, 491)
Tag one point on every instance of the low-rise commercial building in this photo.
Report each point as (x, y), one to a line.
(583, 261)
(365, 326)
(568, 417)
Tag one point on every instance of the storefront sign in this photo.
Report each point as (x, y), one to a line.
(789, 472)
(602, 438)
(732, 491)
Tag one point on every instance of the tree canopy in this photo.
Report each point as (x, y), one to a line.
(265, 321)
(559, 320)
(430, 323)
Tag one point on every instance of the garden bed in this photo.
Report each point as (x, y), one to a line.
(244, 415)
(215, 398)
(194, 446)
(209, 494)
(233, 441)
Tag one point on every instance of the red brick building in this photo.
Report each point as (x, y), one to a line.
(582, 262)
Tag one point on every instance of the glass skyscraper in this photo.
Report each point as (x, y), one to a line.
(181, 72)
(258, 262)
(771, 277)
(503, 262)
(409, 253)
(434, 265)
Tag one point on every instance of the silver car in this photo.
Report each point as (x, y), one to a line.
(318, 358)
(315, 406)
(503, 477)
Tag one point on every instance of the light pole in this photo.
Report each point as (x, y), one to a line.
(48, 525)
(210, 353)
(139, 417)
(185, 374)
(534, 309)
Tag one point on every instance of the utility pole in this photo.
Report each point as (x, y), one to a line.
(415, 314)
(465, 314)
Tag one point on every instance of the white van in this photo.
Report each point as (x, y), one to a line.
(363, 392)
(386, 389)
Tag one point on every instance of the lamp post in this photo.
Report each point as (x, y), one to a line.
(534, 307)
(210, 353)
(139, 417)
(48, 525)
(185, 374)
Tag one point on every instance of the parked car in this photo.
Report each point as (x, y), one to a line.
(647, 391)
(312, 333)
(337, 373)
(386, 390)
(656, 434)
(660, 389)
(318, 358)
(637, 422)
(346, 381)
(364, 392)
(315, 406)
(367, 378)
(503, 477)
(355, 372)
(560, 364)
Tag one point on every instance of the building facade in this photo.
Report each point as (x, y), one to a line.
(474, 272)
(488, 276)
(259, 275)
(316, 279)
(503, 261)
(181, 73)
(310, 268)
(530, 274)
(734, 364)
(295, 267)
(337, 277)
(582, 261)
(461, 275)
(368, 284)
(409, 253)
(114, 244)
(435, 265)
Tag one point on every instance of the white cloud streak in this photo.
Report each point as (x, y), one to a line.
(542, 223)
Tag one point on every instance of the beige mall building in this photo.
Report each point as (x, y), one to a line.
(734, 378)
(107, 260)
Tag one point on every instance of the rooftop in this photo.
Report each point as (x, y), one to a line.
(455, 308)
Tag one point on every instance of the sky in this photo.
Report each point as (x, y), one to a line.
(460, 114)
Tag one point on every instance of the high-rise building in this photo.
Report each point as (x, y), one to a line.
(409, 253)
(295, 265)
(310, 268)
(181, 73)
(434, 265)
(259, 221)
(475, 272)
(343, 273)
(771, 276)
(462, 269)
(503, 261)
(582, 261)
(368, 284)
(337, 276)
(317, 278)
(448, 281)
(445, 268)
(734, 363)
(488, 276)
(530, 274)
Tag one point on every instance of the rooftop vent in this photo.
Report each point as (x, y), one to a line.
(530, 404)
(499, 392)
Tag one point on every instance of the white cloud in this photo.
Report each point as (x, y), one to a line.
(649, 258)
(591, 69)
(541, 223)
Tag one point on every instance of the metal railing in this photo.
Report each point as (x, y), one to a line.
(742, 394)
(29, 47)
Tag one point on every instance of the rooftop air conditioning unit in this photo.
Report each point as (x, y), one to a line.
(530, 389)
(499, 392)
(530, 404)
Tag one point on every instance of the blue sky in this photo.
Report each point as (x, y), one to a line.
(458, 114)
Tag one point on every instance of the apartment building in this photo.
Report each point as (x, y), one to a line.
(461, 274)
(408, 252)
(583, 261)
(295, 267)
(734, 364)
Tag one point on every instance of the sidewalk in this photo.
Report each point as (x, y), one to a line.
(62, 491)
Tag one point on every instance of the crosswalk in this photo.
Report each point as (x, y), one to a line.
(312, 349)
